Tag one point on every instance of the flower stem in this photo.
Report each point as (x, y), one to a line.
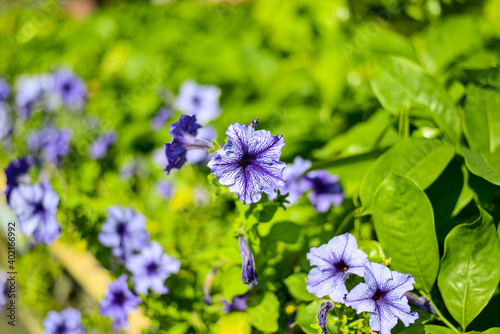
(440, 316)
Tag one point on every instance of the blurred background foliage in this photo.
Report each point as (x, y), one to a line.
(302, 67)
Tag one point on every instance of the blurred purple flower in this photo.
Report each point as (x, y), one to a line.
(325, 189)
(165, 188)
(124, 231)
(101, 145)
(322, 316)
(4, 90)
(238, 303)
(160, 118)
(150, 268)
(68, 321)
(334, 261)
(183, 133)
(249, 162)
(295, 185)
(248, 275)
(118, 302)
(36, 208)
(159, 158)
(382, 295)
(5, 121)
(70, 89)
(31, 90)
(14, 172)
(129, 169)
(199, 100)
(53, 143)
(4, 290)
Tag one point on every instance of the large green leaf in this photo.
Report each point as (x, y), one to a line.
(482, 119)
(404, 222)
(264, 315)
(296, 285)
(420, 159)
(470, 268)
(485, 165)
(398, 82)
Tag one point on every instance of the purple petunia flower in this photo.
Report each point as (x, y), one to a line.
(70, 89)
(31, 91)
(151, 268)
(382, 295)
(199, 100)
(36, 208)
(118, 302)
(124, 231)
(238, 303)
(335, 260)
(165, 188)
(68, 321)
(325, 189)
(53, 143)
(160, 118)
(322, 316)
(249, 162)
(4, 290)
(201, 156)
(248, 275)
(5, 121)
(295, 184)
(183, 133)
(14, 172)
(101, 145)
(4, 90)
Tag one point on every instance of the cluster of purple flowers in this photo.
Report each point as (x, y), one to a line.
(49, 91)
(53, 144)
(125, 232)
(68, 321)
(35, 205)
(382, 294)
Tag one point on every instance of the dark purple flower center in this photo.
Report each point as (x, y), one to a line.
(152, 268)
(121, 229)
(322, 187)
(39, 208)
(341, 267)
(60, 329)
(379, 295)
(66, 87)
(246, 160)
(196, 100)
(119, 298)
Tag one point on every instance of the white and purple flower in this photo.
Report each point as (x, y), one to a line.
(248, 275)
(14, 173)
(150, 268)
(184, 134)
(382, 295)
(101, 145)
(295, 185)
(31, 91)
(124, 231)
(334, 261)
(69, 88)
(52, 143)
(36, 208)
(68, 321)
(118, 302)
(249, 162)
(325, 189)
(199, 100)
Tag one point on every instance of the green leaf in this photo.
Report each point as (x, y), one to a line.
(373, 249)
(234, 323)
(306, 316)
(485, 165)
(470, 268)
(296, 285)
(434, 329)
(482, 119)
(399, 82)
(404, 222)
(422, 160)
(286, 232)
(264, 316)
(494, 330)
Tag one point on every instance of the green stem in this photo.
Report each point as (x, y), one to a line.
(440, 316)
